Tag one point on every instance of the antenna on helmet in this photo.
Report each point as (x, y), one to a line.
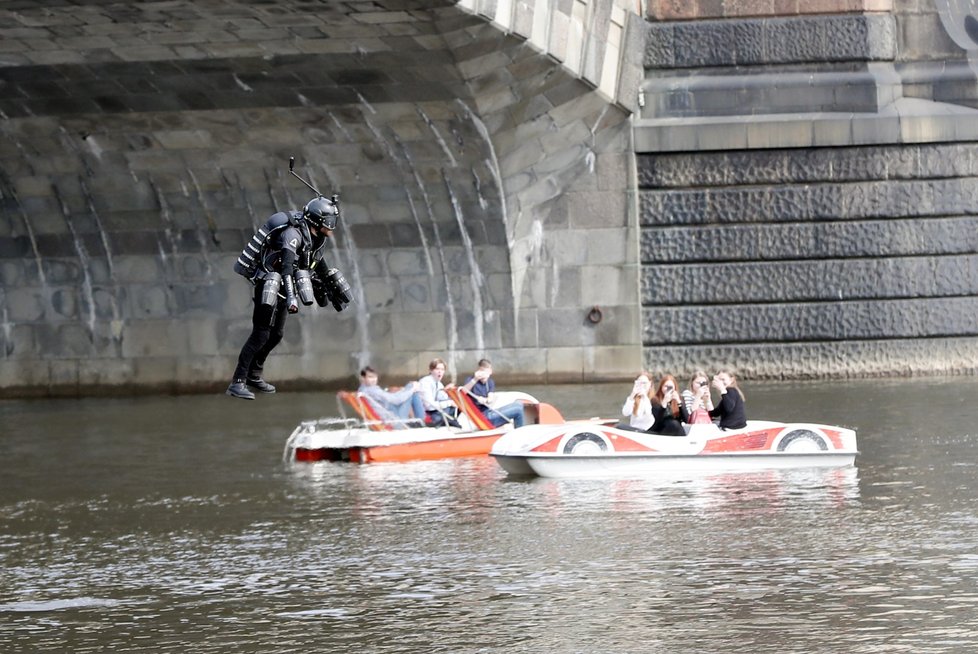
(335, 199)
(294, 174)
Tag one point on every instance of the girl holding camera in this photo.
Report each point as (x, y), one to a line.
(697, 399)
(731, 410)
(668, 409)
(638, 404)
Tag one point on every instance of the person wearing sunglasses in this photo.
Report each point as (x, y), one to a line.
(668, 409)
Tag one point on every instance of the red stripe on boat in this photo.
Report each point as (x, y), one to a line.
(835, 437)
(625, 444)
(755, 440)
(549, 446)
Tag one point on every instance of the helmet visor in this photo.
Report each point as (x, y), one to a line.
(328, 221)
(321, 213)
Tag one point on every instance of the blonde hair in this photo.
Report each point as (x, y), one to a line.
(697, 375)
(638, 399)
(733, 382)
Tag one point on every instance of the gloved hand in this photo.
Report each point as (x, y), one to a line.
(337, 289)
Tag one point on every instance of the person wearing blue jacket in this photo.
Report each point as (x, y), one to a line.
(482, 388)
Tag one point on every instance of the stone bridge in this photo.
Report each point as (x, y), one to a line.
(576, 189)
(484, 189)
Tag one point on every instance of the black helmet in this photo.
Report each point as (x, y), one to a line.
(320, 212)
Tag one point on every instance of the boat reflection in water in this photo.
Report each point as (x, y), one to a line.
(761, 492)
(475, 484)
(382, 490)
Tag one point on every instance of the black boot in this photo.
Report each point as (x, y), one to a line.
(238, 389)
(260, 385)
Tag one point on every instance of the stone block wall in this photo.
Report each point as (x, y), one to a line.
(598, 41)
(793, 263)
(665, 10)
(831, 55)
(770, 65)
(808, 197)
(938, 53)
(564, 159)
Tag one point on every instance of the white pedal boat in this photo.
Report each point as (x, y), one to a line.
(597, 449)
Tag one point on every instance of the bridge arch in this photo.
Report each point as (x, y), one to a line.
(486, 190)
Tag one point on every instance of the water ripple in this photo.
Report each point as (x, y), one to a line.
(452, 556)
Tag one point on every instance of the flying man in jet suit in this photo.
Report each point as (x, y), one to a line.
(284, 261)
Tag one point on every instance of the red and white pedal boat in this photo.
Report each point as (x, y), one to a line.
(339, 439)
(597, 449)
(366, 438)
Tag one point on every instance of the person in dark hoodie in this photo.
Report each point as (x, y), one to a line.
(731, 409)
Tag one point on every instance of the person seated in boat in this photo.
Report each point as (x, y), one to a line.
(698, 400)
(392, 406)
(668, 409)
(439, 408)
(638, 404)
(482, 389)
(731, 410)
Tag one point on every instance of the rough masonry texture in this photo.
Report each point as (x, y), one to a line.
(483, 187)
(808, 198)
